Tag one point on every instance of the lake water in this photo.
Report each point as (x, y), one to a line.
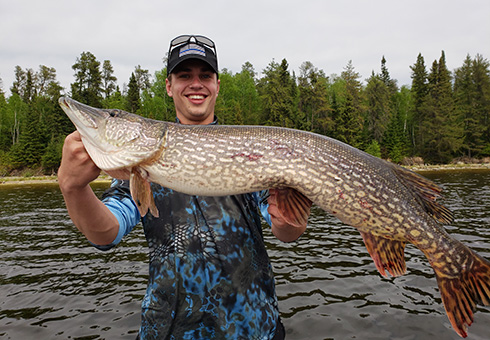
(54, 285)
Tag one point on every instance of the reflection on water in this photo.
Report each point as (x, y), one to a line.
(53, 285)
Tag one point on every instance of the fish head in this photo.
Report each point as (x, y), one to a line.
(115, 139)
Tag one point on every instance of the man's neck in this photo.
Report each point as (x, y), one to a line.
(213, 122)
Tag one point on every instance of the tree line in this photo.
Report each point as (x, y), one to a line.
(443, 115)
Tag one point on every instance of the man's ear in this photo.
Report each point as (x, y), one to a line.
(168, 87)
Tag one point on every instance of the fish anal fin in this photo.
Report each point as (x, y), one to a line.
(293, 206)
(388, 255)
(427, 192)
(141, 193)
(460, 295)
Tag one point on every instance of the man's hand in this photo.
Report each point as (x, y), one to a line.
(77, 169)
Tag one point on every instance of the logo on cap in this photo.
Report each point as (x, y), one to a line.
(192, 49)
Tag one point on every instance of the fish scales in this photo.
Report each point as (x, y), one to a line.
(389, 205)
(263, 157)
(248, 159)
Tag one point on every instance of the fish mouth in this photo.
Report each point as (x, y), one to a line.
(110, 136)
(89, 122)
(83, 116)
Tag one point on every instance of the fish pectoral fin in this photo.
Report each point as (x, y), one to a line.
(387, 254)
(141, 192)
(293, 206)
(461, 294)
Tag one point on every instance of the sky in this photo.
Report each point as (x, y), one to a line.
(327, 33)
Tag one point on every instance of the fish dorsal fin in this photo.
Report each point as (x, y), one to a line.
(293, 206)
(141, 193)
(387, 254)
(427, 192)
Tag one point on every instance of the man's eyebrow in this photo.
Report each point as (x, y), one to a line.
(182, 69)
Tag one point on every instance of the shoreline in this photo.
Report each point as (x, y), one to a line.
(448, 167)
(18, 180)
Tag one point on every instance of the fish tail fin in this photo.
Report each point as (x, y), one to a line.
(461, 295)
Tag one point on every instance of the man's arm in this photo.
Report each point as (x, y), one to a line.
(280, 228)
(87, 212)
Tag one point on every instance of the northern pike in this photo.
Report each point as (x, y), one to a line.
(388, 204)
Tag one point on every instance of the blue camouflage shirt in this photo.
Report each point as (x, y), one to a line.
(209, 273)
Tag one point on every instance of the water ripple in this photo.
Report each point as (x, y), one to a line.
(54, 285)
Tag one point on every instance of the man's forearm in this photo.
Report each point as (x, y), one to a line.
(91, 216)
(87, 212)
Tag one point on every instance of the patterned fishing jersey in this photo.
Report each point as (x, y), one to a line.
(209, 273)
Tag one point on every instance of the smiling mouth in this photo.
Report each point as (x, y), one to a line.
(196, 96)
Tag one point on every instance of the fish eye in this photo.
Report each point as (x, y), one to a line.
(113, 113)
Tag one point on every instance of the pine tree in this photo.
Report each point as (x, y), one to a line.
(348, 109)
(46, 83)
(108, 79)
(227, 108)
(87, 87)
(399, 146)
(442, 125)
(464, 94)
(133, 97)
(419, 92)
(386, 78)
(379, 110)
(143, 78)
(278, 94)
(313, 104)
(248, 96)
(5, 141)
(472, 100)
(29, 91)
(481, 79)
(18, 85)
(396, 139)
(32, 141)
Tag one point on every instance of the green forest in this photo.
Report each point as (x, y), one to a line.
(441, 117)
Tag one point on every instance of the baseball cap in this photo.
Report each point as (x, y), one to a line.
(185, 47)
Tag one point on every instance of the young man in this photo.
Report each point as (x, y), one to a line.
(209, 273)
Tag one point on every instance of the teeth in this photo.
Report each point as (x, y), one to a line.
(195, 96)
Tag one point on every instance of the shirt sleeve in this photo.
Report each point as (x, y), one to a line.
(118, 200)
(261, 199)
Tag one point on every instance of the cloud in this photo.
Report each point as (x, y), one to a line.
(327, 33)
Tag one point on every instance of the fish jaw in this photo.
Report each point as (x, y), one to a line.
(115, 139)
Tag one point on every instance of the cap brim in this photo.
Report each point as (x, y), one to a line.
(189, 57)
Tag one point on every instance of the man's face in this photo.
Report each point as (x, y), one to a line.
(194, 87)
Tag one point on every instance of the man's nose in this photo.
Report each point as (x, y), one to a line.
(196, 82)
